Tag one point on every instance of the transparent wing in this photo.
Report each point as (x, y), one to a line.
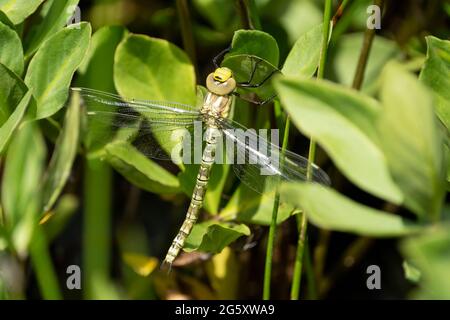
(154, 127)
(260, 164)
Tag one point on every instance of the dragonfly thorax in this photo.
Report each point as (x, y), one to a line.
(221, 82)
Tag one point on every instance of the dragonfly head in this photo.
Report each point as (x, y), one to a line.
(221, 81)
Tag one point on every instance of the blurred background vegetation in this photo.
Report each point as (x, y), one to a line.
(118, 232)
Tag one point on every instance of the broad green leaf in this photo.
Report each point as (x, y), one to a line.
(436, 74)
(213, 236)
(51, 69)
(139, 170)
(21, 185)
(9, 127)
(250, 207)
(329, 210)
(344, 58)
(54, 16)
(150, 68)
(97, 69)
(18, 10)
(257, 43)
(342, 121)
(154, 69)
(66, 148)
(297, 17)
(11, 54)
(303, 59)
(12, 91)
(430, 253)
(411, 141)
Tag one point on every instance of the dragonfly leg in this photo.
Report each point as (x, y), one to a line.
(220, 56)
(256, 102)
(252, 75)
(248, 84)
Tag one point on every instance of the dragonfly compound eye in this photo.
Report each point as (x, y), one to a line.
(221, 82)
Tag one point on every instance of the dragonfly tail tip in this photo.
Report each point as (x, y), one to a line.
(166, 266)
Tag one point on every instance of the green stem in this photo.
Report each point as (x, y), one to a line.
(364, 55)
(273, 222)
(248, 14)
(186, 29)
(97, 228)
(296, 280)
(312, 287)
(42, 264)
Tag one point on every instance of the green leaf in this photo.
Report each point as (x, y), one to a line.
(297, 17)
(21, 185)
(11, 54)
(97, 69)
(9, 127)
(327, 209)
(54, 16)
(18, 10)
(12, 90)
(430, 253)
(154, 69)
(303, 59)
(412, 141)
(342, 121)
(411, 272)
(344, 59)
(212, 236)
(139, 170)
(220, 13)
(66, 148)
(436, 74)
(5, 20)
(250, 207)
(58, 219)
(257, 43)
(150, 68)
(51, 69)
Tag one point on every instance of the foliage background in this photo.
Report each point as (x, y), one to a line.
(116, 218)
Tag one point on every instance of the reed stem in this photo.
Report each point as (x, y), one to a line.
(303, 223)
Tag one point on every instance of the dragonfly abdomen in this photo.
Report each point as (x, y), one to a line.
(196, 201)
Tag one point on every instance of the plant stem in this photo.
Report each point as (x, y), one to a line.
(273, 222)
(97, 228)
(364, 55)
(312, 287)
(42, 264)
(186, 30)
(296, 280)
(247, 12)
(355, 251)
(352, 255)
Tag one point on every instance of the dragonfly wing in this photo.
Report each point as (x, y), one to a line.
(260, 164)
(153, 127)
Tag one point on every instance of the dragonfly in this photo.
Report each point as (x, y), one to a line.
(147, 124)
